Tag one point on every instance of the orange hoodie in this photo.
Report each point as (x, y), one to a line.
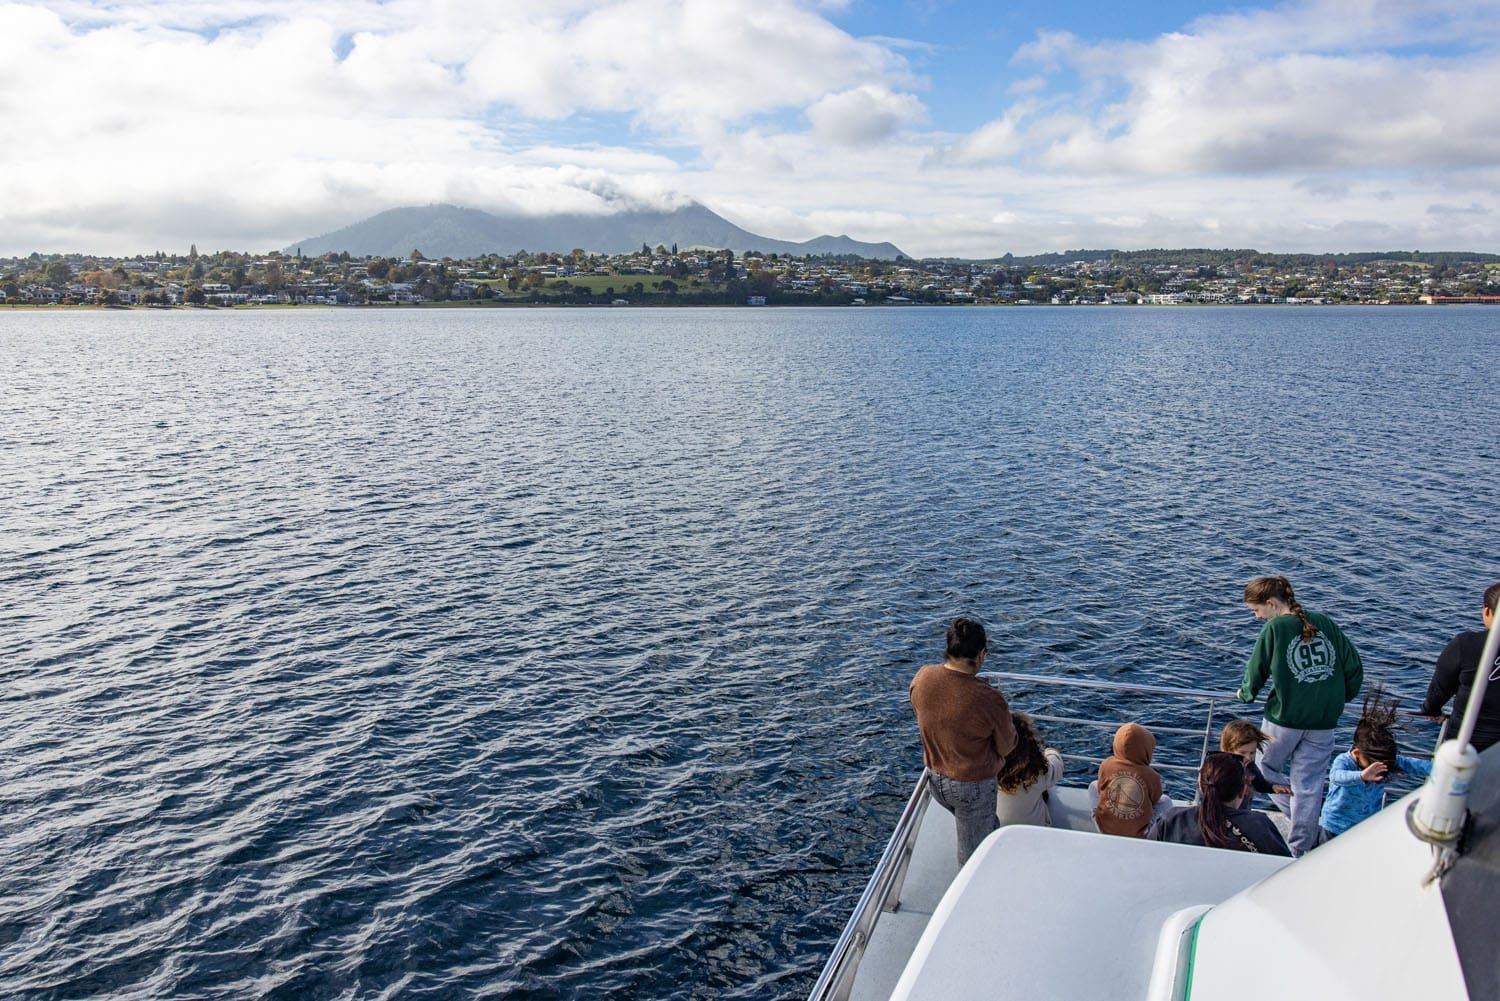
(1128, 785)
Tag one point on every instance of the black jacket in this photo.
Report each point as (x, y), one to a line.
(1249, 831)
(1456, 667)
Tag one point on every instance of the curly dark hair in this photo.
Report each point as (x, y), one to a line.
(1026, 763)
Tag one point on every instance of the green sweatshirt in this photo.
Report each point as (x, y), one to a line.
(1310, 680)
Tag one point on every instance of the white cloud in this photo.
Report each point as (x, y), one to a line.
(999, 139)
(1314, 125)
(863, 115)
(689, 65)
(260, 120)
(1320, 85)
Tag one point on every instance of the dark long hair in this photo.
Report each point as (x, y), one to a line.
(1375, 733)
(1026, 763)
(1263, 589)
(1221, 780)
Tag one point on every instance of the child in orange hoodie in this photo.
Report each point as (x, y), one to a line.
(1128, 786)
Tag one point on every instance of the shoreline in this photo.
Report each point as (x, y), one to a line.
(491, 304)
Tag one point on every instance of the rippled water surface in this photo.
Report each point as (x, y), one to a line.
(564, 653)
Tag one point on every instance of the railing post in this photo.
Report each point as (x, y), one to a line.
(1208, 731)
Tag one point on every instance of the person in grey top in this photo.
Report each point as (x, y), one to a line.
(1030, 772)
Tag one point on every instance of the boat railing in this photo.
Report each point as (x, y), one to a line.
(883, 892)
(1210, 700)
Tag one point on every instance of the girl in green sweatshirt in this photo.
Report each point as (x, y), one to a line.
(1314, 670)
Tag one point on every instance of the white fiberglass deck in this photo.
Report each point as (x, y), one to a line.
(1048, 915)
(934, 868)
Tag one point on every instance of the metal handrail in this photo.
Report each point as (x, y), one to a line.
(1159, 766)
(1123, 686)
(1188, 693)
(1114, 686)
(1195, 694)
(882, 893)
(1100, 724)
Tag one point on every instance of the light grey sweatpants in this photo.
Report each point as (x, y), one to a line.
(1300, 759)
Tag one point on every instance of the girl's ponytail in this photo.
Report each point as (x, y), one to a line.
(1308, 629)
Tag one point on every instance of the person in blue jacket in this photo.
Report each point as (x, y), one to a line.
(1357, 779)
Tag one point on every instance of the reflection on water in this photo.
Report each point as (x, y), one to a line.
(564, 653)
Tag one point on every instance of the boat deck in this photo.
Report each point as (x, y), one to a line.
(933, 869)
(934, 866)
(917, 904)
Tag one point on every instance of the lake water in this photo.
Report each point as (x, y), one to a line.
(418, 654)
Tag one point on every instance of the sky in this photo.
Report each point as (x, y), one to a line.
(949, 128)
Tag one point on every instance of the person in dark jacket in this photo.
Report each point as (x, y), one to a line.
(1455, 672)
(1216, 820)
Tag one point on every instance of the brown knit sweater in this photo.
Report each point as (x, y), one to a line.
(965, 724)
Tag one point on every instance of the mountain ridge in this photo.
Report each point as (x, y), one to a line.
(445, 230)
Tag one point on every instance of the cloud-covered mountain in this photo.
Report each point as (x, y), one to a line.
(452, 231)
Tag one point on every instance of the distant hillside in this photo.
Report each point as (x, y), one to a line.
(451, 231)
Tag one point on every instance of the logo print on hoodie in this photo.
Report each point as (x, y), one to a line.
(1124, 796)
(1311, 660)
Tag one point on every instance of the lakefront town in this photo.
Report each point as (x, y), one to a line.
(664, 275)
